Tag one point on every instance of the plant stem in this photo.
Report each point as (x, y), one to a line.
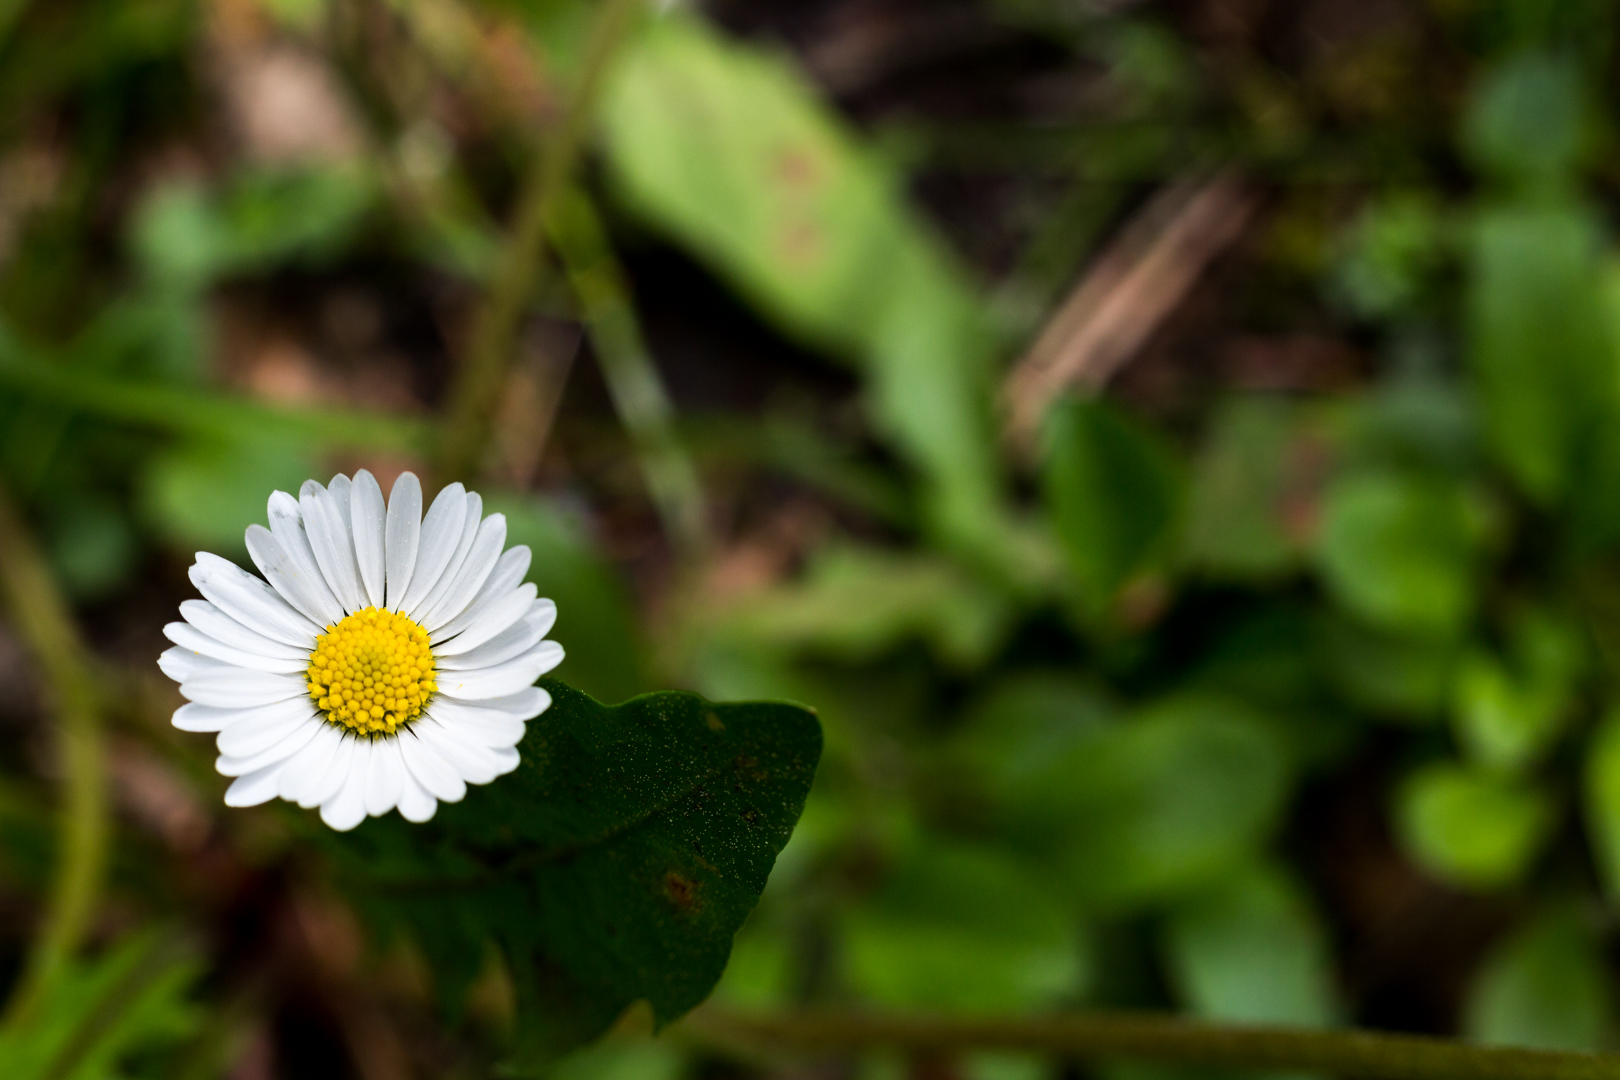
(638, 393)
(1146, 1037)
(479, 380)
(41, 617)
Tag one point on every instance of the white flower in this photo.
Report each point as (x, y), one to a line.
(390, 661)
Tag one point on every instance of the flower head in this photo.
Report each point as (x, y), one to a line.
(386, 660)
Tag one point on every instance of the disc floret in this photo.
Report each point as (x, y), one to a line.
(372, 672)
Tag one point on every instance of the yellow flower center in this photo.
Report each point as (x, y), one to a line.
(372, 672)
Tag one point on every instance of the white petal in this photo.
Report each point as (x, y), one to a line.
(332, 543)
(404, 533)
(189, 637)
(340, 489)
(239, 688)
(545, 613)
(495, 618)
(441, 532)
(347, 808)
(509, 571)
(286, 747)
(526, 704)
(415, 804)
(250, 601)
(287, 526)
(429, 768)
(452, 569)
(367, 511)
(475, 570)
(335, 775)
(305, 768)
(387, 777)
(506, 758)
(473, 763)
(483, 726)
(264, 731)
(254, 788)
(181, 664)
(209, 718)
(284, 574)
(222, 628)
(470, 580)
(517, 638)
(507, 678)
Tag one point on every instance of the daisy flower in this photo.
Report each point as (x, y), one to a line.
(386, 660)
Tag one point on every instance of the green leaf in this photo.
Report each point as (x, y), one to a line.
(183, 235)
(1546, 986)
(1146, 809)
(1529, 122)
(1251, 950)
(1394, 675)
(1603, 800)
(613, 866)
(1394, 251)
(1246, 508)
(1113, 492)
(1400, 551)
(729, 149)
(99, 1014)
(1012, 732)
(857, 603)
(1509, 716)
(960, 927)
(1541, 347)
(203, 492)
(1469, 827)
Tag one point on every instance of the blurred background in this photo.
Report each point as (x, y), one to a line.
(1175, 446)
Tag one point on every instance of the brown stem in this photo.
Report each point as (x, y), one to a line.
(1146, 1037)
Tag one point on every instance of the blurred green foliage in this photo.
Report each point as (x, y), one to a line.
(1081, 711)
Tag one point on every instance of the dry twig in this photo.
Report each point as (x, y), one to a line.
(1130, 290)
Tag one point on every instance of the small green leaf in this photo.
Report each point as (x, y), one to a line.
(98, 1015)
(1113, 492)
(857, 603)
(1546, 987)
(1394, 675)
(1509, 715)
(1148, 808)
(1392, 255)
(201, 492)
(1603, 800)
(614, 865)
(1541, 344)
(1246, 509)
(1528, 122)
(959, 927)
(1400, 551)
(1251, 950)
(1469, 827)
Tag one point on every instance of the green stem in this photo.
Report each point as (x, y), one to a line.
(41, 617)
(638, 392)
(1146, 1037)
(493, 338)
(192, 411)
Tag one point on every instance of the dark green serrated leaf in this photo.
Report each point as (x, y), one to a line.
(613, 866)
